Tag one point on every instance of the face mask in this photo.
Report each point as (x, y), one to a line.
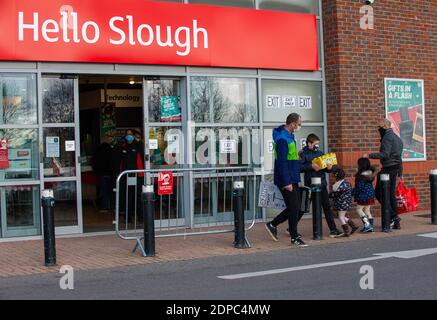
(316, 147)
(298, 128)
(129, 138)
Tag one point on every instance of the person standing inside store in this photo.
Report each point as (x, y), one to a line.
(390, 155)
(104, 168)
(287, 177)
(131, 158)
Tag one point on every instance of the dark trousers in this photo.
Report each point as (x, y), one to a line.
(105, 192)
(134, 199)
(292, 201)
(393, 172)
(329, 215)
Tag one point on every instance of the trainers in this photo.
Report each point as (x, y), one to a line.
(367, 228)
(335, 234)
(273, 231)
(288, 232)
(396, 224)
(298, 242)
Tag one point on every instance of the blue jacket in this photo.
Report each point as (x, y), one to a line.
(307, 156)
(287, 163)
(364, 190)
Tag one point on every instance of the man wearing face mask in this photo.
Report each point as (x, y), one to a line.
(287, 178)
(390, 155)
(132, 158)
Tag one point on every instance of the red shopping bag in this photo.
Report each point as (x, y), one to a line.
(407, 198)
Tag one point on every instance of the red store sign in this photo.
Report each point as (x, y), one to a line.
(148, 32)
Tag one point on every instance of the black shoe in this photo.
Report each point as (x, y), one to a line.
(396, 223)
(273, 231)
(298, 242)
(335, 234)
(288, 232)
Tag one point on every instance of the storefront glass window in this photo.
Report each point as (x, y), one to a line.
(232, 146)
(166, 147)
(164, 100)
(58, 100)
(299, 6)
(227, 3)
(282, 97)
(66, 202)
(224, 100)
(22, 154)
(22, 211)
(18, 99)
(58, 162)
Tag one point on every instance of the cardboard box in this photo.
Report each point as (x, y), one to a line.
(326, 159)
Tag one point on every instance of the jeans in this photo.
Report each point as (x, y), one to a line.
(393, 172)
(292, 201)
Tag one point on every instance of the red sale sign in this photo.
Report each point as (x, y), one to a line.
(148, 32)
(4, 154)
(165, 183)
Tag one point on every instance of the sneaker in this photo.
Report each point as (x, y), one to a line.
(298, 242)
(335, 234)
(366, 229)
(288, 232)
(396, 224)
(273, 231)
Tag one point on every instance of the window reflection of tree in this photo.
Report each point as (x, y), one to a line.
(160, 88)
(18, 102)
(58, 97)
(206, 92)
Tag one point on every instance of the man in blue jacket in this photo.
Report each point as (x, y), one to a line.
(287, 177)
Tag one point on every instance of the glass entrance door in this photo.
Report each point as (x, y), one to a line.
(60, 167)
(165, 121)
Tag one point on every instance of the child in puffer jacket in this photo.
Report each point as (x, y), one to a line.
(364, 193)
(342, 198)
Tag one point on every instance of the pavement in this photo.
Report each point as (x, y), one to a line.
(23, 258)
(365, 270)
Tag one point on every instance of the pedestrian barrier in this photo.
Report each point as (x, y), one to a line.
(200, 201)
(433, 187)
(316, 187)
(385, 203)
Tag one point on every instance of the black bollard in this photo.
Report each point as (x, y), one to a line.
(148, 200)
(433, 183)
(385, 202)
(316, 198)
(240, 232)
(48, 209)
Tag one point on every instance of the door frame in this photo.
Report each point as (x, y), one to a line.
(73, 229)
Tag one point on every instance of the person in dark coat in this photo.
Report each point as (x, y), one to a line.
(364, 193)
(307, 155)
(131, 158)
(390, 155)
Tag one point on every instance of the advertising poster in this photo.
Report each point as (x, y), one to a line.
(165, 183)
(4, 154)
(108, 124)
(170, 110)
(405, 107)
(52, 147)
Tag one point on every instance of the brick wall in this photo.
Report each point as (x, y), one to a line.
(402, 45)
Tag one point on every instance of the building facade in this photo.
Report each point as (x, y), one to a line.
(51, 104)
